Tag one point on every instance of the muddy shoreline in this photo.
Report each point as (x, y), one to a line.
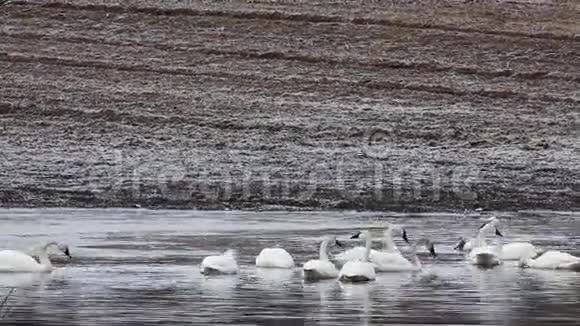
(290, 105)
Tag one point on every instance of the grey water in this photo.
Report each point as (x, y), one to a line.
(140, 267)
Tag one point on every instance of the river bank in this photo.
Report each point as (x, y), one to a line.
(263, 105)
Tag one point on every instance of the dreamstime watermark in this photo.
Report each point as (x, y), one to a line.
(376, 174)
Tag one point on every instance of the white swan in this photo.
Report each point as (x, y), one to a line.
(479, 253)
(361, 270)
(509, 251)
(551, 259)
(322, 268)
(490, 227)
(274, 258)
(485, 256)
(390, 255)
(16, 261)
(395, 262)
(389, 246)
(517, 250)
(222, 264)
(388, 242)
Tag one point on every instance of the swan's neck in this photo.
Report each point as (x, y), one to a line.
(480, 238)
(414, 259)
(43, 255)
(488, 229)
(388, 243)
(324, 249)
(368, 249)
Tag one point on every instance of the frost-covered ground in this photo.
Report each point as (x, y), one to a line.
(278, 104)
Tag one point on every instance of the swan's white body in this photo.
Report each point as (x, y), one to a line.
(391, 262)
(552, 259)
(389, 249)
(517, 250)
(390, 258)
(317, 269)
(359, 271)
(16, 261)
(353, 254)
(396, 262)
(322, 268)
(485, 256)
(222, 264)
(274, 258)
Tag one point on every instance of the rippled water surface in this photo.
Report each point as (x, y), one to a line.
(137, 267)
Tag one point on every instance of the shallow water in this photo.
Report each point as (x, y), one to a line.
(137, 267)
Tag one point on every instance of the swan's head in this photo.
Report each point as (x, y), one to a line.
(390, 228)
(431, 248)
(460, 245)
(429, 245)
(361, 235)
(491, 225)
(488, 221)
(494, 221)
(63, 247)
(404, 235)
(334, 240)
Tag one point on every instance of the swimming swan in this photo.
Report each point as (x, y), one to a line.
(388, 242)
(485, 256)
(490, 227)
(322, 268)
(222, 264)
(517, 250)
(509, 251)
(551, 259)
(389, 246)
(396, 262)
(360, 270)
(16, 261)
(389, 255)
(274, 258)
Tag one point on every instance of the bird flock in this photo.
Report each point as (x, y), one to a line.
(357, 264)
(360, 264)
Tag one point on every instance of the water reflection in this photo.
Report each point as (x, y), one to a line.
(275, 278)
(562, 284)
(357, 301)
(219, 286)
(323, 296)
